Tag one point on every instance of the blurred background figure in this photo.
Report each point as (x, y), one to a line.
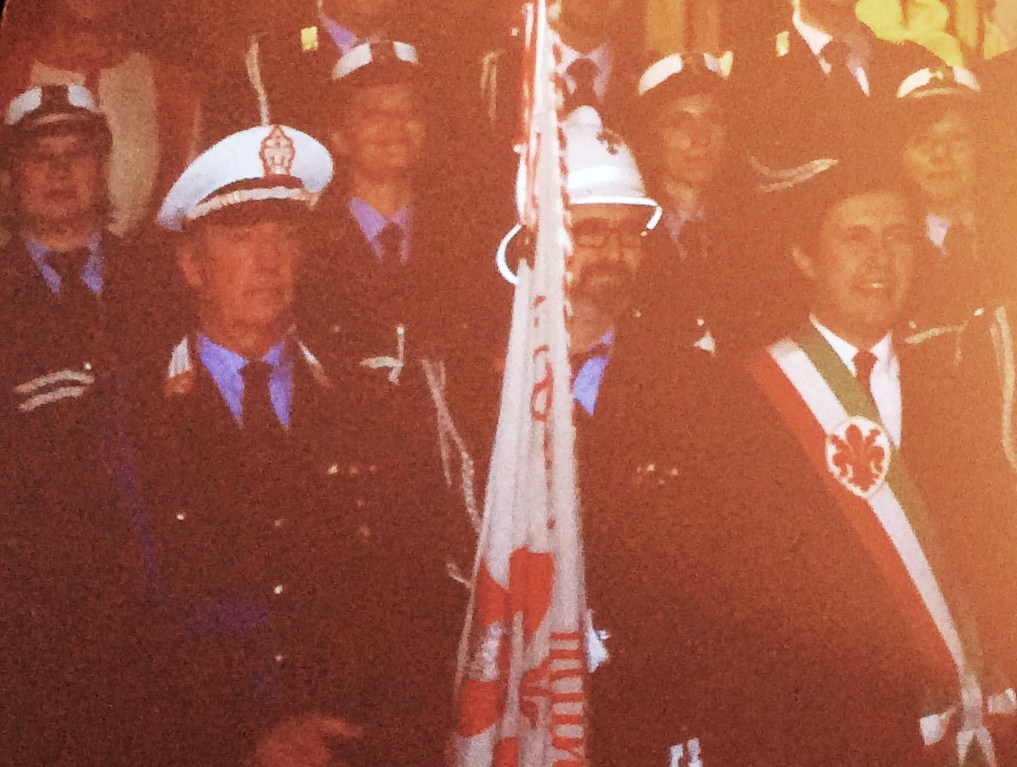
(942, 121)
(77, 310)
(821, 89)
(150, 106)
(380, 257)
(698, 281)
(393, 284)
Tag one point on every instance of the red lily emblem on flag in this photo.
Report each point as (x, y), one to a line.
(858, 456)
(485, 687)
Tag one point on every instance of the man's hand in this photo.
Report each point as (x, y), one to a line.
(302, 741)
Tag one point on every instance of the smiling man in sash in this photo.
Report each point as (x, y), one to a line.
(875, 537)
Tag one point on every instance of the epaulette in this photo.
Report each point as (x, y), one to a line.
(782, 44)
(309, 39)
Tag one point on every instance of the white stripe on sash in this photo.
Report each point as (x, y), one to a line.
(830, 414)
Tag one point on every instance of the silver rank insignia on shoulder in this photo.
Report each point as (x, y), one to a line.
(687, 754)
(309, 39)
(782, 44)
(394, 364)
(53, 387)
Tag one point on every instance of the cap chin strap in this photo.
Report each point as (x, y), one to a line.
(501, 257)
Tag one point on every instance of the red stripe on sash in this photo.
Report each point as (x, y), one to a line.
(858, 513)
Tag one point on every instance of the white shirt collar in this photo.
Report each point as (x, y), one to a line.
(883, 349)
(814, 37)
(936, 228)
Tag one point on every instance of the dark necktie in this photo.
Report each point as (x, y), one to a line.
(864, 363)
(68, 266)
(582, 72)
(842, 79)
(258, 417)
(390, 240)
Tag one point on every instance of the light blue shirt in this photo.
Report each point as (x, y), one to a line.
(225, 368)
(91, 274)
(371, 223)
(586, 386)
(342, 37)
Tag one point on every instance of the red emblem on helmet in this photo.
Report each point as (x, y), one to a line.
(278, 153)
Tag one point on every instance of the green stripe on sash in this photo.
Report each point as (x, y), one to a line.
(857, 402)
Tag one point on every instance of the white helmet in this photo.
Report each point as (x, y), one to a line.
(599, 164)
(600, 170)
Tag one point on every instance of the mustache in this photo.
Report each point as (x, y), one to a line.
(605, 271)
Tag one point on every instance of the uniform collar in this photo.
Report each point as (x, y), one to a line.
(936, 228)
(343, 38)
(218, 357)
(858, 41)
(92, 274)
(814, 37)
(371, 222)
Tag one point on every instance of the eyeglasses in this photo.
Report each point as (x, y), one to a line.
(594, 234)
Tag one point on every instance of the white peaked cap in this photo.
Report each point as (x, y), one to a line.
(362, 55)
(270, 162)
(601, 168)
(939, 81)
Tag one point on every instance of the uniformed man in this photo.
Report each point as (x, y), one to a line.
(823, 88)
(700, 279)
(292, 537)
(624, 373)
(383, 257)
(944, 115)
(74, 558)
(152, 107)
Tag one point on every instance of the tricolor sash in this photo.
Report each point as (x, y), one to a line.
(839, 428)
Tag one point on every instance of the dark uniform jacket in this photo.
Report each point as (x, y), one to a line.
(302, 579)
(766, 632)
(790, 112)
(355, 300)
(71, 523)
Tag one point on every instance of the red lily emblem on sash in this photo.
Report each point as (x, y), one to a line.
(858, 456)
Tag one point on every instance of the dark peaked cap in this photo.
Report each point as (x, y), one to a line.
(381, 63)
(807, 193)
(51, 109)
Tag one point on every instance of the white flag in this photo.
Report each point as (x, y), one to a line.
(522, 671)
